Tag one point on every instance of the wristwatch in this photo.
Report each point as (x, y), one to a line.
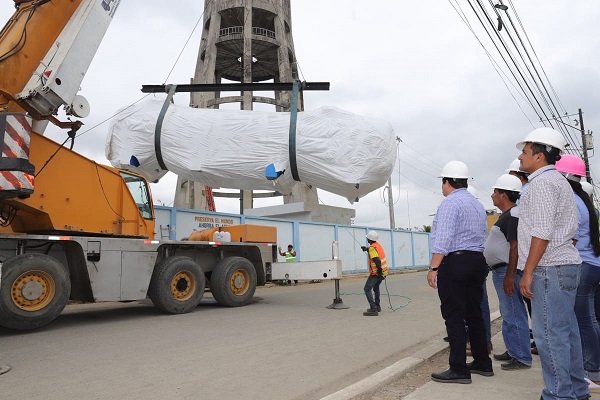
(433, 268)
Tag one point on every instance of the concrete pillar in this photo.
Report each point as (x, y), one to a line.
(205, 65)
(233, 48)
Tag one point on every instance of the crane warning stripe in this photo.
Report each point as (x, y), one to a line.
(23, 121)
(10, 180)
(16, 139)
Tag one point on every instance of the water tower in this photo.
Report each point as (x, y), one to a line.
(249, 41)
(243, 41)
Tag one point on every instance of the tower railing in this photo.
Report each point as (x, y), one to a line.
(238, 30)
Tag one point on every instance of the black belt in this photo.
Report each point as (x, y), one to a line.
(499, 265)
(461, 252)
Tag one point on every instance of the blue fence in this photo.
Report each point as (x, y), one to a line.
(312, 240)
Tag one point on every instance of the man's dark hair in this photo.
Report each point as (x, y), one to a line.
(512, 195)
(552, 154)
(456, 183)
(523, 175)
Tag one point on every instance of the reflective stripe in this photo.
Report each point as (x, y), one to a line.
(372, 267)
(289, 257)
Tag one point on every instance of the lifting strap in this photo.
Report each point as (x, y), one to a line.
(292, 137)
(159, 122)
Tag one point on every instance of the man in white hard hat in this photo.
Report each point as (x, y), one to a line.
(458, 270)
(378, 270)
(501, 256)
(588, 188)
(548, 221)
(515, 169)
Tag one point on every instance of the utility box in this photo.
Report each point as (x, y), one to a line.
(588, 141)
(252, 233)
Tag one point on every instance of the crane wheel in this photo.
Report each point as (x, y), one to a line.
(34, 289)
(233, 282)
(177, 285)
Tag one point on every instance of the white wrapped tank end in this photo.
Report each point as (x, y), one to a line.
(337, 151)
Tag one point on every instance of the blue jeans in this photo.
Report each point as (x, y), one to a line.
(515, 324)
(586, 318)
(485, 313)
(556, 332)
(372, 286)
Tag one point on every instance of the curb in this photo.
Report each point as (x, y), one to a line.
(374, 382)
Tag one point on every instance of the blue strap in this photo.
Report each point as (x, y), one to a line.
(292, 138)
(159, 122)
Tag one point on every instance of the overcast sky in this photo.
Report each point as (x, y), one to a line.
(414, 64)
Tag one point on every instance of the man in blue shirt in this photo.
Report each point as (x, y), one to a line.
(458, 270)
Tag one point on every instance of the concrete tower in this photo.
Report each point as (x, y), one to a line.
(244, 41)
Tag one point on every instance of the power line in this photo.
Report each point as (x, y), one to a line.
(522, 62)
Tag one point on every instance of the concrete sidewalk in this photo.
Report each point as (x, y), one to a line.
(515, 385)
(504, 385)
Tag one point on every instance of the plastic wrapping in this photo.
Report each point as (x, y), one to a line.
(337, 151)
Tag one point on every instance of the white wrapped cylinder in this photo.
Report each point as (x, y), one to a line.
(337, 151)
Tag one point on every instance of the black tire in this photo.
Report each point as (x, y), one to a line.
(34, 290)
(177, 285)
(233, 282)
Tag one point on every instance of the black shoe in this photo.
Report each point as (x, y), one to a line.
(378, 308)
(371, 312)
(479, 370)
(502, 357)
(450, 376)
(514, 365)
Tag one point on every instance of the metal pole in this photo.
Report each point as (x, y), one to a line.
(584, 147)
(391, 204)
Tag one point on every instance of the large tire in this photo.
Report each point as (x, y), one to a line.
(233, 282)
(177, 285)
(34, 290)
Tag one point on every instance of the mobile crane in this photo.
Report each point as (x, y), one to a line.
(74, 229)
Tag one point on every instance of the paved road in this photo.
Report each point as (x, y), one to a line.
(286, 345)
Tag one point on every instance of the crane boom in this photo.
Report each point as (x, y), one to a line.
(46, 48)
(45, 51)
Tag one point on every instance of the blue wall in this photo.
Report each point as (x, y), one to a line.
(312, 240)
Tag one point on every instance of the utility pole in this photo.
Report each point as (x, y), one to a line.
(391, 204)
(584, 147)
(390, 195)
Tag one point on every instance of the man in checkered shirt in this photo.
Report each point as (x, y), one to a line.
(551, 264)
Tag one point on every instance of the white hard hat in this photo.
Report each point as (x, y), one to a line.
(456, 170)
(508, 182)
(473, 191)
(547, 136)
(515, 166)
(372, 235)
(587, 187)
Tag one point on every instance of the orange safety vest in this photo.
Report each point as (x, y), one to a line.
(375, 250)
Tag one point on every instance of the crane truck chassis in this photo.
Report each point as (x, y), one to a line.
(40, 273)
(72, 229)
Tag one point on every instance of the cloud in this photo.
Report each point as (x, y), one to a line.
(415, 64)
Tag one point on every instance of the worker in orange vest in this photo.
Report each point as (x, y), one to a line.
(378, 270)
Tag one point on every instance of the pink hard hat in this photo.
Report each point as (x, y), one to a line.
(570, 165)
